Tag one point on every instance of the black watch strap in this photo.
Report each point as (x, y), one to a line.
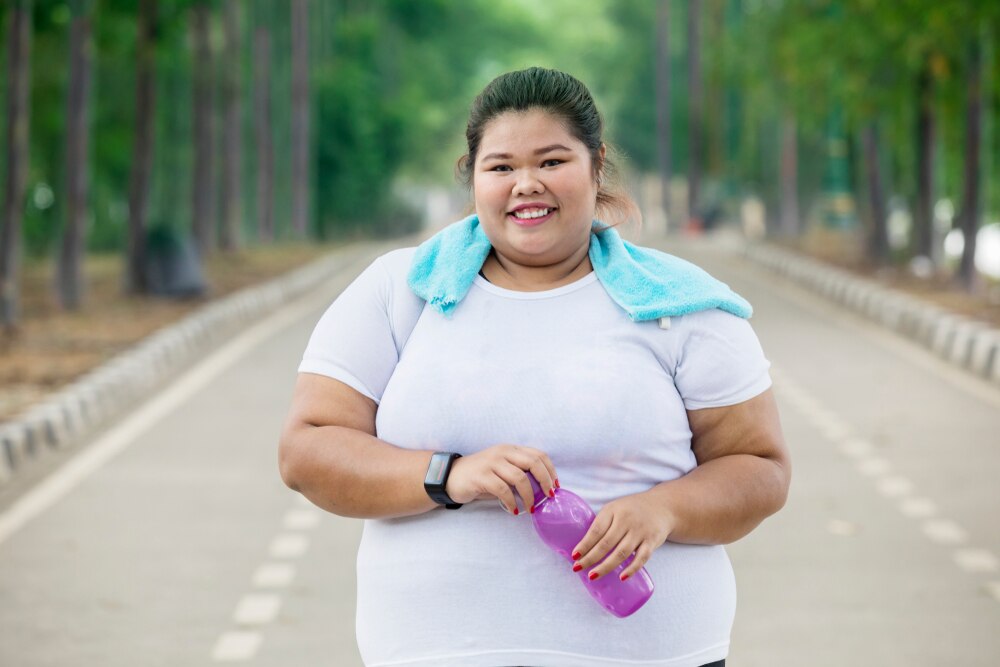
(437, 477)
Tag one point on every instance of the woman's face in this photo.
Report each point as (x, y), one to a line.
(534, 188)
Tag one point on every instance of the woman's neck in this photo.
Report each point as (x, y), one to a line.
(505, 273)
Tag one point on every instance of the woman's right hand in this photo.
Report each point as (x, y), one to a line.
(493, 472)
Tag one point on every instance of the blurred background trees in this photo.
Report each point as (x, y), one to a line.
(853, 124)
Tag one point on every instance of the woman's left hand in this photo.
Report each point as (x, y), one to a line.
(630, 524)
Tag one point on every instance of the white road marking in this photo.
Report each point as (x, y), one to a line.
(835, 432)
(873, 466)
(128, 431)
(236, 646)
(894, 486)
(301, 519)
(944, 531)
(274, 575)
(842, 528)
(856, 447)
(918, 508)
(257, 609)
(289, 545)
(976, 560)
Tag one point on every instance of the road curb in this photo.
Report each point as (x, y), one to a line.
(964, 342)
(107, 392)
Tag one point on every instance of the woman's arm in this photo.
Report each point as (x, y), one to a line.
(328, 452)
(742, 477)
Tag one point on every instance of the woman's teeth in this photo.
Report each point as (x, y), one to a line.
(529, 213)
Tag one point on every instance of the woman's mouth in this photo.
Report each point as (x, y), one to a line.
(529, 217)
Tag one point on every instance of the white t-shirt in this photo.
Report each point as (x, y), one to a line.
(564, 371)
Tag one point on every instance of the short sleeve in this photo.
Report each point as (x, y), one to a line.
(354, 340)
(720, 361)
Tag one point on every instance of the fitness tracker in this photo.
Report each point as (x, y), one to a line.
(437, 476)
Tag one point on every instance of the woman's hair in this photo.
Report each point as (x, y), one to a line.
(562, 96)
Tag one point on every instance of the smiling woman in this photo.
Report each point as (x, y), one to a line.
(530, 339)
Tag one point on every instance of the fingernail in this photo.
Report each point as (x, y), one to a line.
(516, 511)
(576, 555)
(624, 577)
(557, 482)
(593, 575)
(532, 509)
(577, 567)
(552, 493)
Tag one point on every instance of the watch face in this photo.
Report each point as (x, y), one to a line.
(435, 471)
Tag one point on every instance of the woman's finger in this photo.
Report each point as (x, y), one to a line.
(597, 542)
(642, 555)
(614, 557)
(515, 477)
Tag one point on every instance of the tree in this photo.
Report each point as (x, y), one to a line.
(18, 103)
(695, 94)
(202, 171)
(69, 273)
(232, 211)
(262, 130)
(300, 117)
(663, 104)
(969, 216)
(142, 148)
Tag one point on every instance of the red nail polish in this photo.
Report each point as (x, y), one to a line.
(516, 511)
(552, 493)
(577, 567)
(593, 575)
(532, 509)
(624, 577)
(576, 555)
(557, 483)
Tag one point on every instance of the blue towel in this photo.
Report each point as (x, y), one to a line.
(646, 283)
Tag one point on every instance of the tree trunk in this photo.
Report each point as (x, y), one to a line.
(203, 181)
(232, 191)
(789, 177)
(265, 147)
(18, 116)
(695, 113)
(923, 212)
(142, 149)
(300, 117)
(969, 220)
(878, 241)
(70, 278)
(663, 105)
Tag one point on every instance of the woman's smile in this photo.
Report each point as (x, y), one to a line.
(531, 215)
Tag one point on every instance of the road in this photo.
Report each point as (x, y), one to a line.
(170, 540)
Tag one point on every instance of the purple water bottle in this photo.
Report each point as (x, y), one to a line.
(561, 522)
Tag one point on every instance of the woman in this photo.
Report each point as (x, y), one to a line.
(671, 434)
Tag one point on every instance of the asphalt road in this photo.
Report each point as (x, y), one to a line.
(170, 540)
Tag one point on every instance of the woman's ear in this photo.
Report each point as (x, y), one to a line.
(601, 153)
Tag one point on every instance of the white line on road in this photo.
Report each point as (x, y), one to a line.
(288, 546)
(976, 560)
(856, 448)
(944, 531)
(302, 519)
(274, 575)
(918, 508)
(257, 609)
(126, 433)
(894, 486)
(236, 646)
(873, 467)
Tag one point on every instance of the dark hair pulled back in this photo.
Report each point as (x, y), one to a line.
(565, 97)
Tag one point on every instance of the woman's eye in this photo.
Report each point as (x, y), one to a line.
(500, 167)
(552, 163)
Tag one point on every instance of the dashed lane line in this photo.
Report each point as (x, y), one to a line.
(257, 609)
(940, 530)
(274, 575)
(236, 646)
(288, 545)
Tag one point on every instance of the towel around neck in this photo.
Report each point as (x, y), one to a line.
(646, 283)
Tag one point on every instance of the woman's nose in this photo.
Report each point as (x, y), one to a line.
(528, 183)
